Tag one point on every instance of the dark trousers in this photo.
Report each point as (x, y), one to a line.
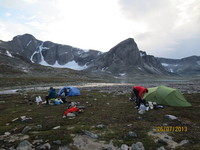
(47, 99)
(135, 95)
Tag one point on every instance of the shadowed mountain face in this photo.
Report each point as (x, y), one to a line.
(47, 53)
(123, 59)
(185, 66)
(126, 58)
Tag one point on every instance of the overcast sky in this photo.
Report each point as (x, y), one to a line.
(163, 28)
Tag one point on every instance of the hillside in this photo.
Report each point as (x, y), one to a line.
(185, 66)
(123, 58)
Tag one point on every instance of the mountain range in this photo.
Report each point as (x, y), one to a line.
(124, 59)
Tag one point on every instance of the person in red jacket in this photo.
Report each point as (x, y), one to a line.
(137, 95)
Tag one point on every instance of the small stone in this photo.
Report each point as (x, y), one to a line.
(124, 147)
(100, 126)
(63, 148)
(7, 133)
(90, 134)
(45, 146)
(171, 117)
(161, 148)
(26, 129)
(137, 146)
(15, 119)
(132, 134)
(25, 145)
(184, 142)
(37, 142)
(56, 127)
(58, 142)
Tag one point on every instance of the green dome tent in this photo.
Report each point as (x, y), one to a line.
(166, 96)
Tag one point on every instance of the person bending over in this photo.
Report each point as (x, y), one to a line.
(137, 95)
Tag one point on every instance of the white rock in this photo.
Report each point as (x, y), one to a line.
(56, 127)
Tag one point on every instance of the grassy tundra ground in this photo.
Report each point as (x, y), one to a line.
(108, 108)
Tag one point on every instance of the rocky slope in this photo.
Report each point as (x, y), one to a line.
(185, 66)
(48, 53)
(122, 59)
(125, 58)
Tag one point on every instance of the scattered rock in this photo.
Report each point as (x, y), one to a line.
(56, 127)
(171, 117)
(184, 142)
(161, 148)
(37, 142)
(26, 119)
(45, 146)
(15, 119)
(90, 134)
(7, 133)
(165, 124)
(108, 148)
(25, 145)
(163, 141)
(139, 118)
(58, 142)
(64, 148)
(132, 134)
(137, 146)
(100, 126)
(39, 126)
(80, 142)
(15, 137)
(164, 138)
(124, 147)
(88, 143)
(129, 125)
(26, 129)
(12, 148)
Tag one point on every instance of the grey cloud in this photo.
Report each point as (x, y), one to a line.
(161, 19)
(185, 48)
(137, 9)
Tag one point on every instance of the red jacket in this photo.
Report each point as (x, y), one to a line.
(72, 109)
(141, 90)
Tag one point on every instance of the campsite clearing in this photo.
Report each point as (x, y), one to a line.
(111, 110)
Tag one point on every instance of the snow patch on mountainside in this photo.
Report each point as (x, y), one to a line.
(8, 54)
(40, 48)
(122, 74)
(28, 43)
(71, 65)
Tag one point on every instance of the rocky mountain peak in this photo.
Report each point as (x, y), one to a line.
(127, 51)
(122, 59)
(24, 37)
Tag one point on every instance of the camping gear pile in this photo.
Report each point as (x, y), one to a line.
(38, 100)
(63, 93)
(161, 95)
(73, 109)
(147, 106)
